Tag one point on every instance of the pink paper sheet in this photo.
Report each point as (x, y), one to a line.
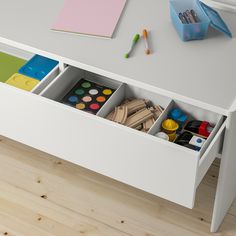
(90, 17)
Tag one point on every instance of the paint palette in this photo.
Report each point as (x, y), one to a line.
(88, 96)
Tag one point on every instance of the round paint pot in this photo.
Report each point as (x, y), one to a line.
(87, 99)
(94, 106)
(73, 99)
(107, 92)
(93, 91)
(163, 136)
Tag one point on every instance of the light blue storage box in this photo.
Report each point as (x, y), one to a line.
(206, 15)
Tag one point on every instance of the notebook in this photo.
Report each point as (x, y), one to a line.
(90, 17)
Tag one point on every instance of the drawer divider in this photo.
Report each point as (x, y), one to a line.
(157, 125)
(112, 102)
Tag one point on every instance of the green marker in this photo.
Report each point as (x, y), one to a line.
(135, 40)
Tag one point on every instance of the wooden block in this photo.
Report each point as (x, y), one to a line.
(143, 130)
(148, 124)
(138, 118)
(127, 100)
(157, 111)
(140, 127)
(135, 105)
(120, 114)
(110, 115)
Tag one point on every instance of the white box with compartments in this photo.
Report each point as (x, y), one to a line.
(173, 172)
(130, 156)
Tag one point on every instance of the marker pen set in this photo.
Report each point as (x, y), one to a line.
(135, 41)
(189, 17)
(192, 18)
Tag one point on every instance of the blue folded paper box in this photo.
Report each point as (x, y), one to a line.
(206, 17)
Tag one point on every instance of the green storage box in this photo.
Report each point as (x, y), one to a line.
(9, 65)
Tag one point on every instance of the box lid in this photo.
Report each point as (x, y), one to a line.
(216, 21)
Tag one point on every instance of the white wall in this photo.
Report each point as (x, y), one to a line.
(230, 2)
(223, 4)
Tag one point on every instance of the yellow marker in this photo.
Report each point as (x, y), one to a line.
(22, 82)
(145, 36)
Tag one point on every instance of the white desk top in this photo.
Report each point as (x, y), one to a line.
(202, 70)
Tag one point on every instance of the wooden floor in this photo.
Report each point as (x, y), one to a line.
(41, 195)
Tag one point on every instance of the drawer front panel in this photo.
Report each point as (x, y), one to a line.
(129, 156)
(211, 153)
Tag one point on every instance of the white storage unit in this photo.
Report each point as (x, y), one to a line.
(130, 156)
(26, 56)
(175, 75)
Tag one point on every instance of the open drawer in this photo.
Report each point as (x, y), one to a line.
(27, 56)
(124, 154)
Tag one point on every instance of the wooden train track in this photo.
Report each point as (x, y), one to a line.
(139, 114)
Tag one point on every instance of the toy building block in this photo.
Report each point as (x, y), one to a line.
(177, 115)
(170, 127)
(22, 82)
(38, 67)
(203, 128)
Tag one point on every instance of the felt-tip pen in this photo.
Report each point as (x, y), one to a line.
(135, 40)
(145, 36)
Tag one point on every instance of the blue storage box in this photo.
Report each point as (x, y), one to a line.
(206, 15)
(38, 67)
